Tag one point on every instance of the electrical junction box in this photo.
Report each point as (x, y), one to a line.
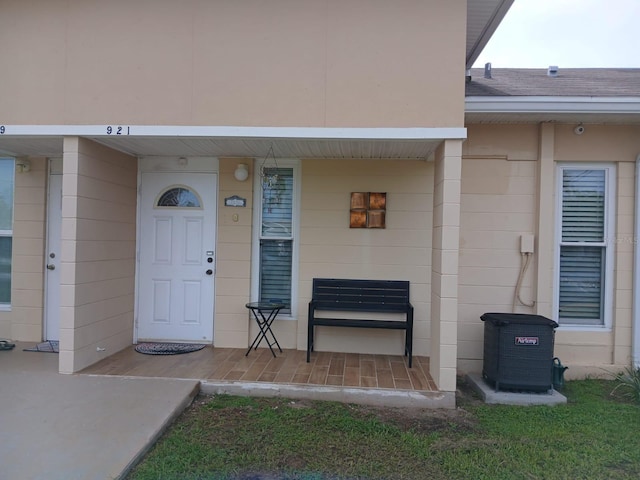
(526, 243)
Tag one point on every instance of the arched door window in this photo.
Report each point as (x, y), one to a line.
(178, 196)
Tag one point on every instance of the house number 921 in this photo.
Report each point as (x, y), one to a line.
(119, 130)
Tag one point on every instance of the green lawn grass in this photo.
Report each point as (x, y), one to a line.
(594, 436)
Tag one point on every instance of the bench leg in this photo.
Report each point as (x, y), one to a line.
(408, 345)
(309, 342)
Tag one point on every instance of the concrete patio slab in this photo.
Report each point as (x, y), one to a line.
(489, 395)
(70, 427)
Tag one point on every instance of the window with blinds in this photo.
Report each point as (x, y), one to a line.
(7, 167)
(583, 246)
(276, 237)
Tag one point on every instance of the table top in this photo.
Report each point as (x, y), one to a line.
(264, 306)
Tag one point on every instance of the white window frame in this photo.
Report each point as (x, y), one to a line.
(295, 230)
(6, 307)
(609, 242)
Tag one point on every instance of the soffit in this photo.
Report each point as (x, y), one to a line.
(557, 117)
(392, 143)
(483, 18)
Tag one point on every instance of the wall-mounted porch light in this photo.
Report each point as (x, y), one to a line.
(242, 172)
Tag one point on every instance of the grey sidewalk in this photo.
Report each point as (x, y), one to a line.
(69, 427)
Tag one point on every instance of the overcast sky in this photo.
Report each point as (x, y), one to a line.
(566, 33)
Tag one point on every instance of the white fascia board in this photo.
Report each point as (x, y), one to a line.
(538, 104)
(301, 133)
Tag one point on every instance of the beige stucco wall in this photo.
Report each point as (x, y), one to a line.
(501, 199)
(497, 206)
(278, 63)
(24, 321)
(401, 251)
(233, 262)
(99, 195)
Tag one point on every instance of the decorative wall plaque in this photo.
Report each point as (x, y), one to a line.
(235, 201)
(368, 210)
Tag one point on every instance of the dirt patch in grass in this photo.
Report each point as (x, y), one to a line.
(422, 421)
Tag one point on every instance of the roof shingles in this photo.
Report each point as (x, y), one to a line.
(574, 82)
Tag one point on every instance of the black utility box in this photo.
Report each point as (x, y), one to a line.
(518, 351)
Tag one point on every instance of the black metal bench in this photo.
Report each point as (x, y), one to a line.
(388, 296)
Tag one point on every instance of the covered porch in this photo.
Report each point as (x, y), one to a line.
(98, 305)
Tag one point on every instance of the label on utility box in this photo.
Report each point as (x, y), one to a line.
(527, 340)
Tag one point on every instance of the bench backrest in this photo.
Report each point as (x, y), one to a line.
(363, 295)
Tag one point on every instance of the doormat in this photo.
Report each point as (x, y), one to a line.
(50, 346)
(168, 348)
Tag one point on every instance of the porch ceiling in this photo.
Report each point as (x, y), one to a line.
(252, 142)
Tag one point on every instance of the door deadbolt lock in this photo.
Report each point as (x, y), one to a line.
(209, 260)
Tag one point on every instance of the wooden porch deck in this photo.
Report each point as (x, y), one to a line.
(290, 367)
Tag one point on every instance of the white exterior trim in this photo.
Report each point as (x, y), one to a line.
(310, 133)
(552, 104)
(609, 244)
(635, 315)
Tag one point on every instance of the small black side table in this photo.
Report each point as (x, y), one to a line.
(264, 313)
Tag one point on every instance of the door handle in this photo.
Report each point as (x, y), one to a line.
(209, 272)
(51, 267)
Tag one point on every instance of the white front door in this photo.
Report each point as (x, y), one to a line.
(52, 259)
(176, 256)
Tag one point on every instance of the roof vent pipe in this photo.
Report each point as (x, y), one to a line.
(487, 70)
(552, 71)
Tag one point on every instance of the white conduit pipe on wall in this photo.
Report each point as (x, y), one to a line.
(635, 345)
(525, 259)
